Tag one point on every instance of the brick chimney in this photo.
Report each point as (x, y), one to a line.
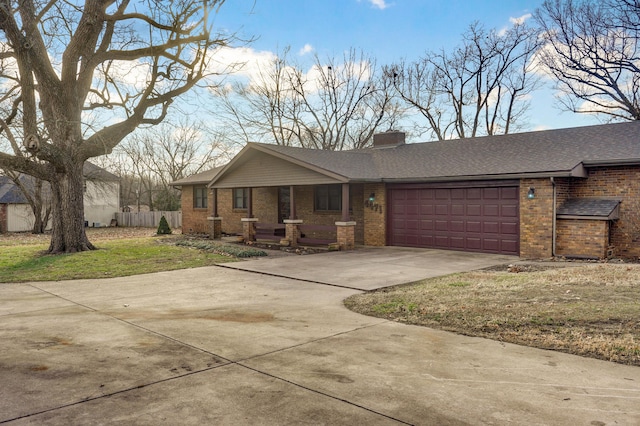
(390, 139)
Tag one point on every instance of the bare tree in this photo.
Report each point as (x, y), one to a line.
(120, 61)
(478, 88)
(335, 105)
(160, 155)
(591, 51)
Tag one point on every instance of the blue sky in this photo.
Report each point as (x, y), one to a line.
(388, 30)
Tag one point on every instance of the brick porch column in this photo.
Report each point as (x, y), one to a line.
(346, 235)
(292, 231)
(249, 228)
(215, 227)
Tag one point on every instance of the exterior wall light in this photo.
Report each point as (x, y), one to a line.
(532, 193)
(372, 197)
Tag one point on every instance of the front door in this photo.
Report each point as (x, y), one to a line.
(284, 204)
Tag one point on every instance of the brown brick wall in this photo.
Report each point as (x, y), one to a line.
(621, 183)
(375, 219)
(305, 210)
(536, 219)
(265, 208)
(582, 238)
(194, 220)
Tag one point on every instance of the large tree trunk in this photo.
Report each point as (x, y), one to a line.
(67, 232)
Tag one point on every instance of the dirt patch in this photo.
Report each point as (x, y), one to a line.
(589, 309)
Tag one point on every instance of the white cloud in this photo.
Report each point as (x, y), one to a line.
(240, 61)
(379, 4)
(307, 48)
(520, 19)
(515, 21)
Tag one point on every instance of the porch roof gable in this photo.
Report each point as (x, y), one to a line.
(258, 165)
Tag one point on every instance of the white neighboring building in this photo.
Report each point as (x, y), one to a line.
(101, 201)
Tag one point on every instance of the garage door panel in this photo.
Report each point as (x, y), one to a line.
(474, 244)
(456, 226)
(491, 210)
(427, 194)
(474, 193)
(474, 226)
(441, 241)
(442, 209)
(427, 209)
(509, 246)
(475, 219)
(412, 225)
(458, 194)
(457, 243)
(490, 245)
(510, 193)
(509, 228)
(443, 194)
(491, 227)
(491, 193)
(441, 225)
(509, 210)
(474, 210)
(426, 225)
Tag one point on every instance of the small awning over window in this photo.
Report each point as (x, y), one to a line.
(589, 208)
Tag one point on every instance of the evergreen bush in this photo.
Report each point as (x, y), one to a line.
(163, 227)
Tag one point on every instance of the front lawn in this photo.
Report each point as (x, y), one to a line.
(590, 310)
(116, 258)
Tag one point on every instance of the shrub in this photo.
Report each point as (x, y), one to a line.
(163, 227)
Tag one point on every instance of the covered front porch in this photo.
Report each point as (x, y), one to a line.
(329, 215)
(293, 196)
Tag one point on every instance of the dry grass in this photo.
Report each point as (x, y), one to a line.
(590, 310)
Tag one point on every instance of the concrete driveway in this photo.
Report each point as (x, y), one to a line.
(222, 346)
(370, 268)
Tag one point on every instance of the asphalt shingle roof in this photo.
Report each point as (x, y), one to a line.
(201, 178)
(10, 193)
(541, 152)
(588, 207)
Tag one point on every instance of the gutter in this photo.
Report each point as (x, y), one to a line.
(614, 162)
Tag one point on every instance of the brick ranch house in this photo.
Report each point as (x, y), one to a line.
(570, 192)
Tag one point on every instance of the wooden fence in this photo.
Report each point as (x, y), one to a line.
(148, 219)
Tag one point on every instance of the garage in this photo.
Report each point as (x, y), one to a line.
(471, 216)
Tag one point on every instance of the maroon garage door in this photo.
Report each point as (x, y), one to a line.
(471, 218)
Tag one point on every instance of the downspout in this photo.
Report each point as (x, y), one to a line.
(553, 223)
